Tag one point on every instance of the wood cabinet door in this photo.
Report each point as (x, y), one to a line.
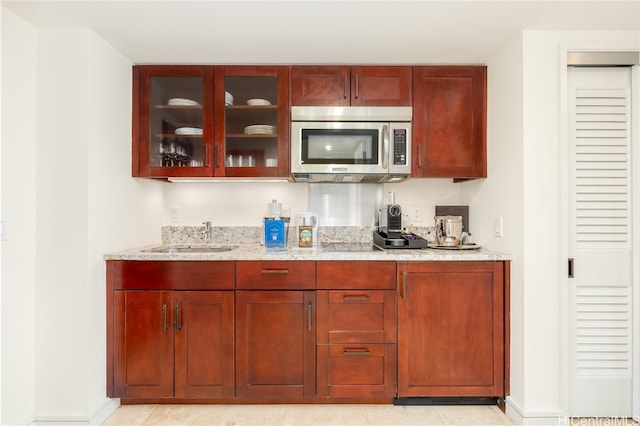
(275, 344)
(247, 96)
(449, 121)
(143, 344)
(451, 329)
(172, 124)
(381, 86)
(204, 344)
(358, 86)
(319, 85)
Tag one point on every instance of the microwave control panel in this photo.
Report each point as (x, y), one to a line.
(400, 147)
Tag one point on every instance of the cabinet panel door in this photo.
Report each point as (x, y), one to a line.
(275, 344)
(381, 86)
(204, 340)
(451, 329)
(172, 121)
(449, 122)
(320, 85)
(143, 344)
(260, 154)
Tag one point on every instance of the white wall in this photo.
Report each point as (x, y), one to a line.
(68, 199)
(86, 205)
(501, 194)
(244, 204)
(18, 211)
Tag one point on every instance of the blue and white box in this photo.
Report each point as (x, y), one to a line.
(275, 232)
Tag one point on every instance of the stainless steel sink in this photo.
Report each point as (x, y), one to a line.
(191, 249)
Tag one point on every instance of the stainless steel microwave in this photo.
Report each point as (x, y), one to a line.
(350, 144)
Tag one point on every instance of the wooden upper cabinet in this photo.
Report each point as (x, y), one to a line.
(251, 121)
(358, 85)
(193, 121)
(450, 122)
(172, 123)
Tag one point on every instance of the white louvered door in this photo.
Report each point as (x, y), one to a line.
(600, 295)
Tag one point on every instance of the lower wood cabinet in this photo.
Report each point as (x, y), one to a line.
(164, 343)
(451, 329)
(173, 344)
(295, 331)
(356, 329)
(275, 344)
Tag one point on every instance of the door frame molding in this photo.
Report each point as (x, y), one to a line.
(564, 52)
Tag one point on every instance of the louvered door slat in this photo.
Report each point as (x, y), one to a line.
(601, 115)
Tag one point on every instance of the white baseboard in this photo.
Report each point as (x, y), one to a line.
(531, 418)
(97, 418)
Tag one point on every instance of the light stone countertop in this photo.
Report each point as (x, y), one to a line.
(247, 247)
(256, 251)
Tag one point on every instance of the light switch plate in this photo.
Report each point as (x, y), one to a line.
(497, 227)
(174, 214)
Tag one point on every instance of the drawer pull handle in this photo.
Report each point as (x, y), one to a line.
(355, 298)
(275, 271)
(164, 318)
(356, 351)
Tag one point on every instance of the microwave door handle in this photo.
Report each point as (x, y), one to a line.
(385, 146)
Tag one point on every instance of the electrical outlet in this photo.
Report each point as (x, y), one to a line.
(497, 227)
(174, 214)
(416, 214)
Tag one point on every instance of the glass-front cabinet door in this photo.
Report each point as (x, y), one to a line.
(251, 121)
(173, 133)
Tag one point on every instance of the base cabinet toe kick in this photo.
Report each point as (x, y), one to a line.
(292, 331)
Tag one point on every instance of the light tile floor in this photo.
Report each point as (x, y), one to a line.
(307, 415)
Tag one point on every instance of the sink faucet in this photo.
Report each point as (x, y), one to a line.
(207, 232)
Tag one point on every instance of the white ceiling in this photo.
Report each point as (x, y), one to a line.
(306, 31)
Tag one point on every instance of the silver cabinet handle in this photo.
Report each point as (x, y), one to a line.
(164, 318)
(355, 298)
(345, 87)
(178, 319)
(404, 285)
(309, 316)
(385, 146)
(356, 351)
(275, 271)
(357, 86)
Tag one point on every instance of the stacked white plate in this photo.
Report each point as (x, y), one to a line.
(228, 98)
(182, 102)
(255, 102)
(260, 129)
(188, 131)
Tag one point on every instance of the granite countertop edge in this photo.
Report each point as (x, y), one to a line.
(256, 251)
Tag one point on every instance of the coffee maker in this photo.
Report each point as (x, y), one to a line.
(389, 233)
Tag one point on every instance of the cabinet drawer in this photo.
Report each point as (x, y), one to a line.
(349, 275)
(356, 370)
(276, 275)
(171, 275)
(356, 316)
